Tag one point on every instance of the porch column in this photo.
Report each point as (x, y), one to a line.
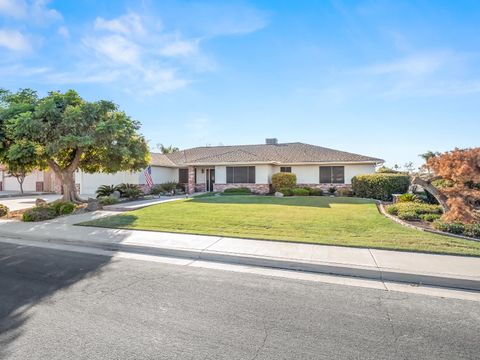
(191, 180)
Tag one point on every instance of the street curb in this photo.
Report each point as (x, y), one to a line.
(367, 272)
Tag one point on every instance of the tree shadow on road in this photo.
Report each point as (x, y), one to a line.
(31, 275)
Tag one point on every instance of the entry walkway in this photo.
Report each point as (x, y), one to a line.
(428, 269)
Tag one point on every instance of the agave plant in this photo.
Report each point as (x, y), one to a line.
(106, 190)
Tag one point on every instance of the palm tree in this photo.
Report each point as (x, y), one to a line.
(167, 149)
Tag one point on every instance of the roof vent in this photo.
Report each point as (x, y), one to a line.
(271, 141)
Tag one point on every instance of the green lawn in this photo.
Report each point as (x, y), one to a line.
(320, 220)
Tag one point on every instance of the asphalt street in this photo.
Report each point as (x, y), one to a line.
(65, 305)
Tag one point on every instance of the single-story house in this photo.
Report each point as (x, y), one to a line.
(216, 168)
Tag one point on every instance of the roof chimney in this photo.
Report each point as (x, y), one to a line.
(271, 141)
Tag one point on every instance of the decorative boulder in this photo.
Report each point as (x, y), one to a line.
(40, 202)
(116, 194)
(93, 205)
(278, 194)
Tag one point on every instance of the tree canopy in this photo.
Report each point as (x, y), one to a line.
(459, 188)
(67, 133)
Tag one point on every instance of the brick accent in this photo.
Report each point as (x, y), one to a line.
(191, 180)
(200, 187)
(256, 188)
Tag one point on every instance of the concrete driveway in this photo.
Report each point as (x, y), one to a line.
(26, 202)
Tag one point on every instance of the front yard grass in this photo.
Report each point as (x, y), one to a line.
(319, 220)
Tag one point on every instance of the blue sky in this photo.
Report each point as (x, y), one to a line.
(390, 79)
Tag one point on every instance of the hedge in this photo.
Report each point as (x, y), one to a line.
(3, 210)
(283, 180)
(380, 186)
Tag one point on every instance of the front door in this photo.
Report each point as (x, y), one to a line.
(210, 179)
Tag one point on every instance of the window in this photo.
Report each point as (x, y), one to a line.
(183, 176)
(332, 174)
(286, 169)
(240, 174)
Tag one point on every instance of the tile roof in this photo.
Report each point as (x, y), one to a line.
(289, 153)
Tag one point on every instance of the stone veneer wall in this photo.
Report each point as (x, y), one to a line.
(200, 187)
(191, 180)
(256, 188)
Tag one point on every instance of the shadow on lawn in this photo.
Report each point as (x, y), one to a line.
(309, 201)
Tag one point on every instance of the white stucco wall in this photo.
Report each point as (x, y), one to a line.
(160, 175)
(310, 174)
(220, 174)
(11, 184)
(263, 174)
(202, 177)
(89, 183)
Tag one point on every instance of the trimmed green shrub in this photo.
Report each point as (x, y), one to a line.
(4, 210)
(332, 190)
(442, 183)
(238, 191)
(408, 215)
(405, 210)
(472, 230)
(316, 192)
(157, 190)
(105, 190)
(345, 192)
(62, 207)
(66, 209)
(380, 186)
(39, 213)
(129, 190)
(107, 200)
(169, 186)
(286, 191)
(453, 228)
(283, 180)
(429, 217)
(392, 209)
(407, 198)
(300, 192)
(132, 193)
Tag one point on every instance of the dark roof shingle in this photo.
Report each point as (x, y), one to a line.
(289, 153)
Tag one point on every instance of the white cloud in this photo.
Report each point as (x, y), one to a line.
(116, 48)
(14, 40)
(14, 8)
(416, 64)
(40, 13)
(130, 24)
(179, 48)
(37, 11)
(63, 32)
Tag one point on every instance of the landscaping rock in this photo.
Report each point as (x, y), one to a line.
(278, 194)
(116, 194)
(93, 205)
(40, 202)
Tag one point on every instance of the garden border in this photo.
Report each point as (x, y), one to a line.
(381, 209)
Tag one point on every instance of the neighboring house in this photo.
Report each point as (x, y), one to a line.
(37, 181)
(216, 168)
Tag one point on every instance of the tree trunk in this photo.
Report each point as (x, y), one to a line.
(21, 188)
(67, 177)
(68, 187)
(427, 186)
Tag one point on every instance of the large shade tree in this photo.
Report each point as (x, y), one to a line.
(453, 178)
(69, 133)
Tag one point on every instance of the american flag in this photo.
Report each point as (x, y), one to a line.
(148, 176)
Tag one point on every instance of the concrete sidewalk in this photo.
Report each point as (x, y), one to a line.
(428, 269)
